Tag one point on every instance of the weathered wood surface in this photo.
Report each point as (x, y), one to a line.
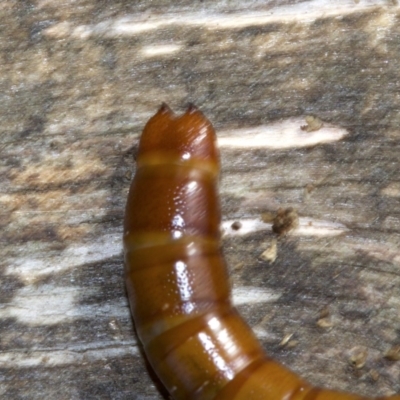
(78, 82)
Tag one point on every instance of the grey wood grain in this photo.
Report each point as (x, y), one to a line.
(79, 81)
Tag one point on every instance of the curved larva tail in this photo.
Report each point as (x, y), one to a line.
(176, 277)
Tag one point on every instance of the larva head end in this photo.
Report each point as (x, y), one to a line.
(186, 137)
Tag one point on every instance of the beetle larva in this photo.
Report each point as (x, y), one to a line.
(194, 338)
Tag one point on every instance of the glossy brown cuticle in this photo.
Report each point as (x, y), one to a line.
(194, 338)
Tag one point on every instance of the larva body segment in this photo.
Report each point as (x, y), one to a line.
(176, 276)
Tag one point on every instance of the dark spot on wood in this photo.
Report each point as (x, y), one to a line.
(236, 225)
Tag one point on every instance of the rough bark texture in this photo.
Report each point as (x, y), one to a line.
(78, 82)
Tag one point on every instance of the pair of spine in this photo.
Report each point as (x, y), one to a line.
(176, 277)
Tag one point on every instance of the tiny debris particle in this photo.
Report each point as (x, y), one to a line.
(236, 225)
(324, 312)
(393, 354)
(285, 220)
(313, 124)
(271, 252)
(358, 357)
(292, 343)
(286, 339)
(128, 175)
(374, 374)
(325, 323)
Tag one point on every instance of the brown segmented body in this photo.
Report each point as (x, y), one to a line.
(177, 282)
